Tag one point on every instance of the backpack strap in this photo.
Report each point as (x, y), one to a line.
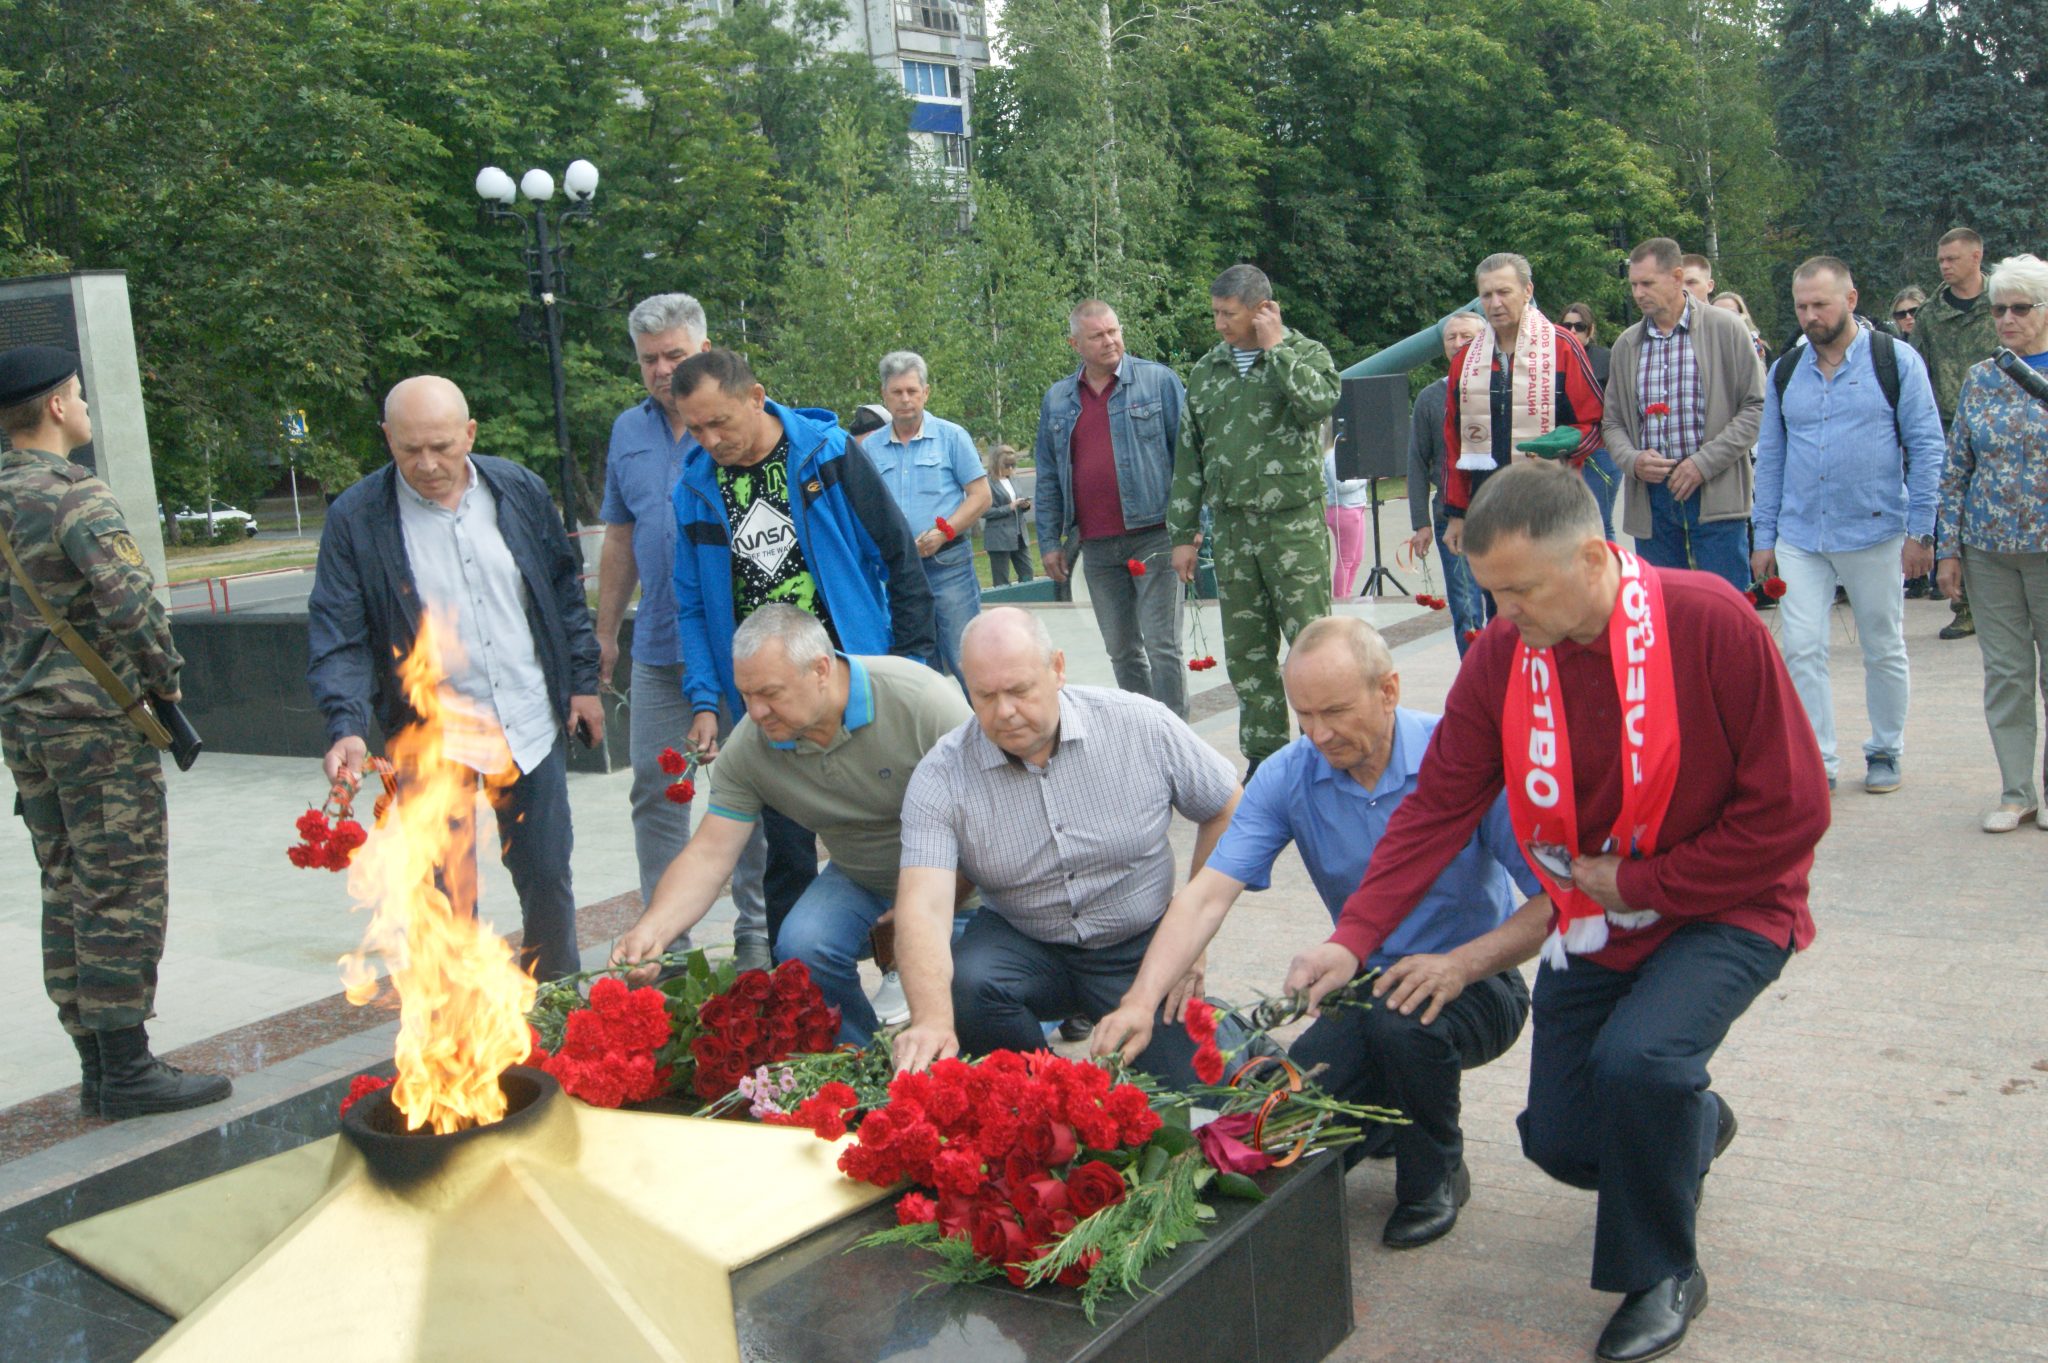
(1884, 358)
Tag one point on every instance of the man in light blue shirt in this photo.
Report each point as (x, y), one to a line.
(1331, 793)
(649, 442)
(932, 470)
(1845, 495)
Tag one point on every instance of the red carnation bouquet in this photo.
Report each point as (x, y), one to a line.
(1050, 1170)
(683, 766)
(697, 1034)
(328, 833)
(1197, 637)
(1771, 588)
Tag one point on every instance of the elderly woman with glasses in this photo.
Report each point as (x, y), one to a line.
(1993, 531)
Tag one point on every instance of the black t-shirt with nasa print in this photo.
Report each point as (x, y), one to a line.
(767, 562)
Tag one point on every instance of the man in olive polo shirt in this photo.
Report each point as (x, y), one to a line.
(830, 741)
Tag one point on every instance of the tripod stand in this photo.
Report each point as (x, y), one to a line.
(1379, 577)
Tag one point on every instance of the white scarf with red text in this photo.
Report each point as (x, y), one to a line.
(1537, 751)
(1532, 404)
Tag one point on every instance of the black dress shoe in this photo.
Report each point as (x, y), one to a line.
(1651, 1323)
(1724, 1136)
(1415, 1224)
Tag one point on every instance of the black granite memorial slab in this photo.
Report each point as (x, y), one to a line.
(1271, 1284)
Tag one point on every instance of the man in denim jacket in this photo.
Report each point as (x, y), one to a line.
(1106, 439)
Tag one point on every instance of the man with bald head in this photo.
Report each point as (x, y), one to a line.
(1054, 802)
(474, 542)
(1332, 792)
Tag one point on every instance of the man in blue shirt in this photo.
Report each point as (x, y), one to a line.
(1845, 495)
(932, 470)
(649, 443)
(1331, 793)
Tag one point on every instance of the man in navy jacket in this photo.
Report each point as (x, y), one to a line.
(476, 542)
(778, 504)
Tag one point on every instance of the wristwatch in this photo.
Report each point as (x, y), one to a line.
(1926, 540)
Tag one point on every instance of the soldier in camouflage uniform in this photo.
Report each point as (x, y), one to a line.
(88, 786)
(1954, 332)
(1249, 451)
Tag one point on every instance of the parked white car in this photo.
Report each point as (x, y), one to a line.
(223, 516)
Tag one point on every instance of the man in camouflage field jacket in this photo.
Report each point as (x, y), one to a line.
(1249, 451)
(1955, 332)
(88, 786)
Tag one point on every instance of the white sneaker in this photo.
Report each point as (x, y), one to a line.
(891, 1008)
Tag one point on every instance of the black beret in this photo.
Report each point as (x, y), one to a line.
(30, 371)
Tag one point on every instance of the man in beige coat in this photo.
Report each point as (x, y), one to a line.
(1685, 395)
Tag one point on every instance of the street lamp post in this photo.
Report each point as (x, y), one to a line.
(547, 272)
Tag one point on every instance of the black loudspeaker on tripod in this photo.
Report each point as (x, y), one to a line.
(1372, 443)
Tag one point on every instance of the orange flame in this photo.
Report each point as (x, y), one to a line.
(462, 998)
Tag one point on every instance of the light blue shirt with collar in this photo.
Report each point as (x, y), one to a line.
(640, 475)
(927, 474)
(1831, 476)
(1297, 796)
(465, 571)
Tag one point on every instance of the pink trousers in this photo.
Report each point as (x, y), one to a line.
(1347, 526)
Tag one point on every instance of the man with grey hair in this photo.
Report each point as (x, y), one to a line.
(650, 441)
(474, 543)
(1055, 801)
(1685, 397)
(1332, 793)
(1847, 476)
(1106, 439)
(831, 741)
(1523, 388)
(934, 472)
(1251, 452)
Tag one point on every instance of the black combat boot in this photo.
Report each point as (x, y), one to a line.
(89, 1073)
(134, 1083)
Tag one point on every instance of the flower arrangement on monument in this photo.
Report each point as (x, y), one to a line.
(697, 1034)
(1044, 1169)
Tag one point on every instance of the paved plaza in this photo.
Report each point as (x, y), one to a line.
(1884, 1200)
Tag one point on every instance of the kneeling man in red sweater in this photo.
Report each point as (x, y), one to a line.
(1664, 782)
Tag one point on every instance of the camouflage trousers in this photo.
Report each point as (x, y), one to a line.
(1272, 578)
(92, 794)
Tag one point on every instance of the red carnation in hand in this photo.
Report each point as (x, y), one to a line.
(312, 826)
(1471, 635)
(1136, 566)
(1657, 409)
(672, 762)
(1208, 1063)
(1774, 587)
(681, 792)
(1201, 1021)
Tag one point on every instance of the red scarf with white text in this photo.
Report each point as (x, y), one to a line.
(1536, 747)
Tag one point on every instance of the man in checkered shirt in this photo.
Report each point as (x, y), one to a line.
(1055, 803)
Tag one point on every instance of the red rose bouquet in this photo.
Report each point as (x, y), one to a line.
(1050, 1170)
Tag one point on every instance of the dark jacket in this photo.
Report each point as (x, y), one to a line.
(859, 548)
(364, 612)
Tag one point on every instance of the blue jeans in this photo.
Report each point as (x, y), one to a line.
(1618, 1089)
(659, 717)
(827, 929)
(1603, 477)
(1468, 604)
(956, 599)
(1680, 539)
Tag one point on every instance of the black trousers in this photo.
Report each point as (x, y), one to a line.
(791, 866)
(1618, 1099)
(1005, 984)
(1002, 562)
(1381, 1057)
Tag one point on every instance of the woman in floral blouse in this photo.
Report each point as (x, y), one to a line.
(1993, 532)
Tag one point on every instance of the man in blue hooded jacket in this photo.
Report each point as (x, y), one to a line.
(778, 504)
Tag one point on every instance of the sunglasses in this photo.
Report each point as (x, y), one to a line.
(2016, 309)
(1586, 327)
(1901, 314)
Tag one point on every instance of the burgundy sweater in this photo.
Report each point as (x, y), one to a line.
(1751, 801)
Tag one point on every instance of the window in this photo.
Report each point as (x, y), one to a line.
(952, 151)
(932, 79)
(941, 16)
